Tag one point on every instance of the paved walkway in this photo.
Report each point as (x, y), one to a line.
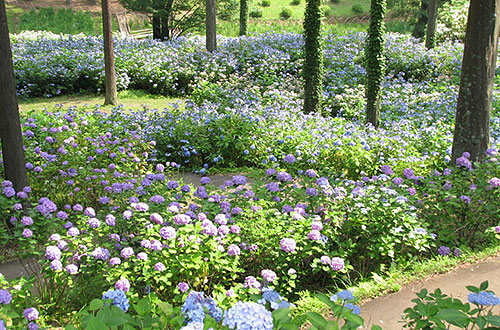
(386, 311)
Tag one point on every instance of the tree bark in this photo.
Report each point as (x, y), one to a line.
(10, 126)
(375, 61)
(157, 27)
(472, 122)
(313, 51)
(111, 96)
(419, 28)
(431, 23)
(243, 17)
(211, 37)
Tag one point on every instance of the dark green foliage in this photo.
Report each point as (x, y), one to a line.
(375, 61)
(313, 65)
(419, 28)
(295, 2)
(335, 1)
(256, 13)
(243, 17)
(357, 8)
(265, 3)
(175, 18)
(286, 13)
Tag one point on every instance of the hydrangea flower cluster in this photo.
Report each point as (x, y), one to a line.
(248, 316)
(118, 298)
(196, 304)
(483, 298)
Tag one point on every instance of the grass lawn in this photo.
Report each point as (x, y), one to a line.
(13, 15)
(130, 99)
(341, 9)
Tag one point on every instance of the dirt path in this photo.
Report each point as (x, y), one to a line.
(386, 311)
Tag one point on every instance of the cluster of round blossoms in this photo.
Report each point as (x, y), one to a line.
(483, 298)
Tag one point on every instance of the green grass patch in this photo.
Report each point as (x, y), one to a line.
(129, 99)
(13, 15)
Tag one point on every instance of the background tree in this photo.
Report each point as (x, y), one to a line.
(173, 18)
(472, 122)
(313, 51)
(10, 126)
(432, 14)
(111, 96)
(211, 36)
(375, 61)
(419, 28)
(243, 17)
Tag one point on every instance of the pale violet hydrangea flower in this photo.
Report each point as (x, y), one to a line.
(248, 316)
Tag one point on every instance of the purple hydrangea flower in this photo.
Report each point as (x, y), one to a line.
(314, 235)
(337, 263)
(495, 182)
(52, 253)
(183, 286)
(289, 159)
(288, 244)
(159, 267)
(248, 316)
(181, 219)
(56, 265)
(115, 261)
(31, 314)
(233, 250)
(444, 250)
(239, 180)
(268, 275)
(122, 284)
(127, 252)
(5, 297)
(27, 233)
(251, 282)
(168, 232)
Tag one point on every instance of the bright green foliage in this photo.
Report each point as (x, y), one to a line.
(57, 21)
(313, 65)
(243, 17)
(374, 61)
(286, 13)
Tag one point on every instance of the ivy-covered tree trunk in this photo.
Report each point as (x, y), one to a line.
(157, 34)
(243, 17)
(419, 28)
(431, 23)
(313, 50)
(10, 126)
(375, 61)
(111, 96)
(472, 122)
(211, 36)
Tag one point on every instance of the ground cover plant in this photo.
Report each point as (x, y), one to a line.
(337, 201)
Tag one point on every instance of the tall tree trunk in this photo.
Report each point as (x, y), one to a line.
(419, 28)
(165, 28)
(243, 17)
(375, 61)
(431, 23)
(211, 36)
(313, 65)
(10, 126)
(157, 27)
(472, 122)
(111, 96)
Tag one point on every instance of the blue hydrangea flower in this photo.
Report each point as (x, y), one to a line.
(248, 316)
(483, 298)
(118, 298)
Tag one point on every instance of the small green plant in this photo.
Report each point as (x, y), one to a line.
(438, 311)
(286, 13)
(265, 3)
(295, 2)
(255, 13)
(357, 8)
(326, 11)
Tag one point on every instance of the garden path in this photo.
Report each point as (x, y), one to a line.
(386, 311)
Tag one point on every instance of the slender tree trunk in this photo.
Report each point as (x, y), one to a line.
(472, 122)
(10, 126)
(157, 27)
(431, 23)
(211, 36)
(313, 65)
(111, 96)
(419, 28)
(375, 61)
(243, 17)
